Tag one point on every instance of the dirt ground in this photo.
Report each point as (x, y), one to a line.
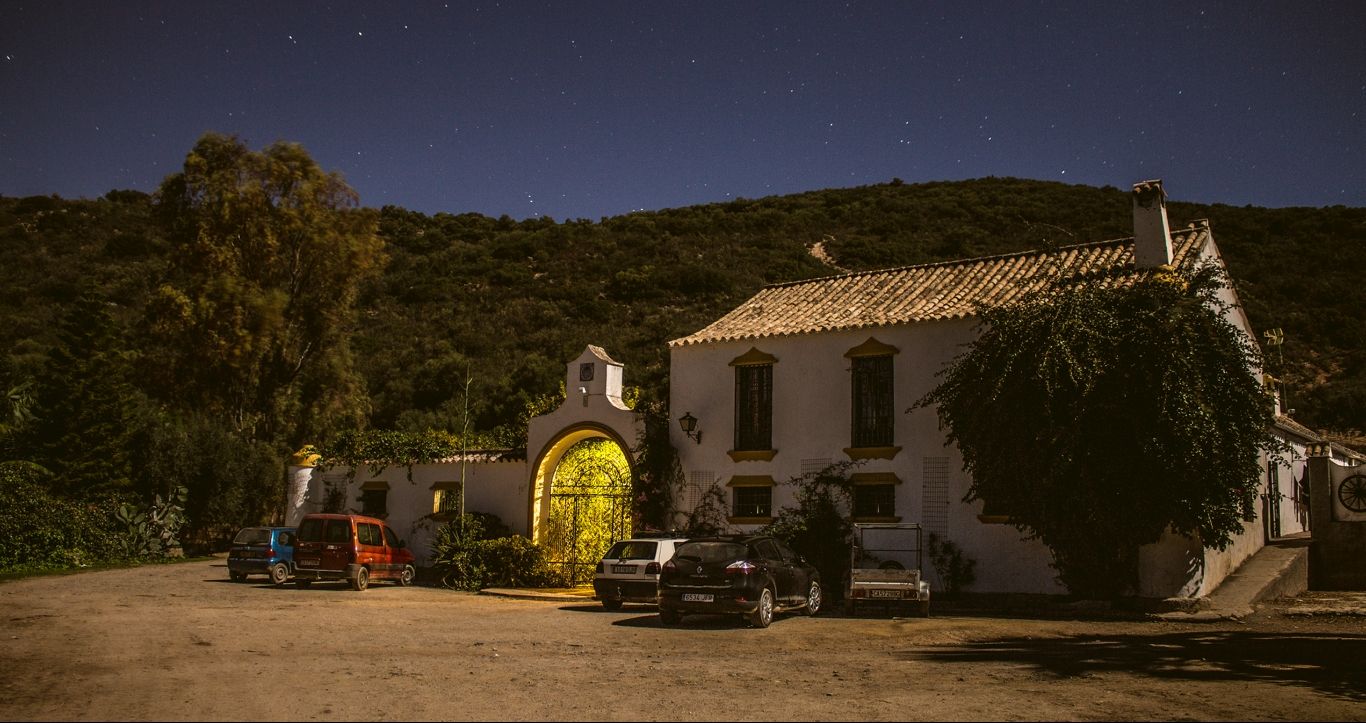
(180, 642)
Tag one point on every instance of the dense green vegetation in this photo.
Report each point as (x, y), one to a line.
(513, 300)
(1096, 418)
(111, 392)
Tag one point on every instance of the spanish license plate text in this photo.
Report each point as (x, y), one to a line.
(697, 597)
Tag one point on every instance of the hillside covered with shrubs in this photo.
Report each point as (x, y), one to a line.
(465, 311)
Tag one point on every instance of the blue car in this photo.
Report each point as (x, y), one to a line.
(262, 551)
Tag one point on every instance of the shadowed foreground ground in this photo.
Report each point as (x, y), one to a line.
(180, 642)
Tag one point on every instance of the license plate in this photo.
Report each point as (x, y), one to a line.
(624, 569)
(895, 594)
(697, 597)
(307, 562)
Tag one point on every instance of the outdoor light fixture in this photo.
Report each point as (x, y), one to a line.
(689, 424)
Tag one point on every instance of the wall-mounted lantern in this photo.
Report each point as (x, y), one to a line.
(689, 424)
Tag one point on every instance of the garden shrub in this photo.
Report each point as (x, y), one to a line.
(818, 528)
(47, 532)
(479, 551)
(956, 569)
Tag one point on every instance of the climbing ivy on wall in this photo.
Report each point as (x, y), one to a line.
(383, 448)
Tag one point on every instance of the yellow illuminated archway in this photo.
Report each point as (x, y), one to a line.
(608, 502)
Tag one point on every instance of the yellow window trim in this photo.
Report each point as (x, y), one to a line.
(752, 455)
(874, 478)
(375, 484)
(876, 518)
(872, 347)
(872, 452)
(994, 519)
(750, 480)
(447, 486)
(753, 357)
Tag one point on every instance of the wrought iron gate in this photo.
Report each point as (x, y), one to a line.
(586, 516)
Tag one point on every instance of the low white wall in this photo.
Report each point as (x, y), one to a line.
(1179, 567)
(498, 488)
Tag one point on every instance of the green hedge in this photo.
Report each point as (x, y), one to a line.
(42, 531)
(480, 553)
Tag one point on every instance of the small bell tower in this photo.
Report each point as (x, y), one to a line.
(593, 374)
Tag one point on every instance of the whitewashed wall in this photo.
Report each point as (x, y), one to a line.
(811, 428)
(498, 488)
(811, 424)
(593, 408)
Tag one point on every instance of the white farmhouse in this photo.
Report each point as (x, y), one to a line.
(810, 373)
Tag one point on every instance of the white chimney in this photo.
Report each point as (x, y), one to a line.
(1152, 234)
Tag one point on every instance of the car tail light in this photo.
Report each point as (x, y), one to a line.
(742, 567)
(669, 566)
(270, 552)
(652, 568)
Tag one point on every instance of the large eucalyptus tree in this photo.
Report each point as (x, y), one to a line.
(269, 255)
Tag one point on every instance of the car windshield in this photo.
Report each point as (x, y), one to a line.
(252, 536)
(632, 550)
(710, 551)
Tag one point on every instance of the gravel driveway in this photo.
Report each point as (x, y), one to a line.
(180, 642)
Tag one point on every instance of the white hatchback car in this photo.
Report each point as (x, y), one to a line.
(629, 572)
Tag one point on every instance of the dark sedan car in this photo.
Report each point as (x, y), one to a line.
(752, 575)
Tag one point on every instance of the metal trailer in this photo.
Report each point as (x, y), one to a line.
(885, 561)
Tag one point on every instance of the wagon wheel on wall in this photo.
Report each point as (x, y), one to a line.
(1352, 493)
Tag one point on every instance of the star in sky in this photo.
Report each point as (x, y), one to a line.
(595, 110)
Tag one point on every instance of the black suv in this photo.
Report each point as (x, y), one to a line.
(753, 575)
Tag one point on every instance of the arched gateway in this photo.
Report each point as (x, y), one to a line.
(580, 488)
(569, 492)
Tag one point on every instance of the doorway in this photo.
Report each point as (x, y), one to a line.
(584, 503)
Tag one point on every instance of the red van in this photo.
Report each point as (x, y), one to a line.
(354, 548)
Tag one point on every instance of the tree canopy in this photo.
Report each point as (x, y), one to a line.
(1097, 416)
(268, 254)
(245, 261)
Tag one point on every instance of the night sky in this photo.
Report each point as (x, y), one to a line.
(585, 110)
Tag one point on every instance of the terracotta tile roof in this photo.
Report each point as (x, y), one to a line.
(1287, 424)
(473, 456)
(485, 456)
(947, 290)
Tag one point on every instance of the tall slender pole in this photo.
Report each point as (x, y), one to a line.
(464, 434)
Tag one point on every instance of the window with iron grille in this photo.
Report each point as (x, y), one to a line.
(374, 502)
(877, 500)
(448, 498)
(872, 391)
(754, 407)
(753, 501)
